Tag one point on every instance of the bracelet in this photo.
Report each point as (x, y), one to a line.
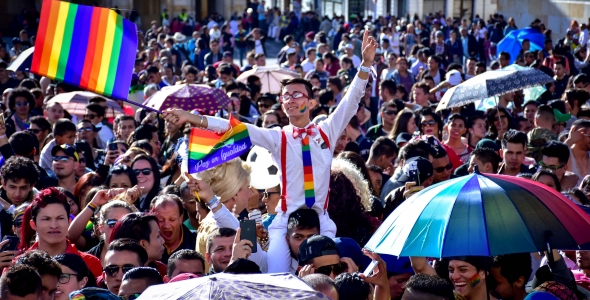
(214, 203)
(364, 69)
(92, 207)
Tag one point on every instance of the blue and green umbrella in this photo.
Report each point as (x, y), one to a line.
(482, 215)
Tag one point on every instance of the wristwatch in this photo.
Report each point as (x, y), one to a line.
(364, 69)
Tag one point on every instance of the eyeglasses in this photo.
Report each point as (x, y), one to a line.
(390, 112)
(82, 129)
(21, 104)
(61, 158)
(18, 222)
(130, 297)
(428, 123)
(442, 169)
(112, 270)
(90, 116)
(502, 116)
(82, 160)
(296, 95)
(267, 194)
(34, 131)
(146, 171)
(327, 270)
(65, 277)
(552, 168)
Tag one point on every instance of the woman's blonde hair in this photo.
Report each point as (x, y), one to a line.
(354, 175)
(226, 179)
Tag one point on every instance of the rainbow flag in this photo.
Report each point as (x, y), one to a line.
(207, 149)
(90, 47)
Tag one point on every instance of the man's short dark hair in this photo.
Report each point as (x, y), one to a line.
(319, 282)
(20, 280)
(96, 108)
(505, 54)
(487, 155)
(431, 284)
(221, 232)
(582, 123)
(513, 266)
(389, 85)
(185, 254)
(424, 86)
(63, 126)
(41, 122)
(41, 261)
(351, 287)
(150, 275)
(414, 149)
(17, 167)
(514, 137)
(143, 132)
(581, 78)
(303, 218)
(143, 144)
(134, 226)
(557, 149)
(305, 82)
(383, 146)
(439, 151)
(24, 143)
(226, 70)
(97, 100)
(545, 112)
(153, 70)
(326, 96)
(131, 245)
(21, 92)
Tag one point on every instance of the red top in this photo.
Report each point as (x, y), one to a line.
(91, 261)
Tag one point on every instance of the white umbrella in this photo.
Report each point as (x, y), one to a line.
(270, 77)
(75, 103)
(225, 286)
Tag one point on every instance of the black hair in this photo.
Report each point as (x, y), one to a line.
(96, 108)
(390, 85)
(143, 132)
(319, 282)
(431, 284)
(351, 287)
(145, 145)
(505, 54)
(220, 232)
(326, 96)
(544, 111)
(155, 170)
(487, 155)
(557, 149)
(305, 82)
(77, 264)
(454, 117)
(41, 261)
(582, 123)
(24, 143)
(513, 266)
(580, 95)
(514, 137)
(17, 167)
(134, 226)
(383, 146)
(185, 254)
(96, 100)
(150, 275)
(540, 173)
(118, 170)
(21, 92)
(427, 111)
(153, 70)
(416, 148)
(439, 151)
(336, 81)
(41, 122)
(579, 194)
(29, 84)
(63, 126)
(581, 78)
(131, 245)
(303, 218)
(20, 280)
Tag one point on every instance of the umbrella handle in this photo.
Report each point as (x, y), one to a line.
(550, 260)
(142, 106)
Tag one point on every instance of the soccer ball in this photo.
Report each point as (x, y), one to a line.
(265, 172)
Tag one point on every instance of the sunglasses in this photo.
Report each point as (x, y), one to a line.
(267, 194)
(442, 169)
(90, 116)
(501, 117)
(111, 223)
(390, 112)
(146, 171)
(21, 104)
(34, 131)
(82, 160)
(18, 222)
(428, 123)
(327, 270)
(61, 158)
(263, 105)
(112, 270)
(552, 168)
(82, 129)
(65, 277)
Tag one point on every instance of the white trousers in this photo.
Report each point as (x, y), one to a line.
(279, 254)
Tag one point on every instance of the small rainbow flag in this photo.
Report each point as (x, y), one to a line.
(90, 47)
(307, 173)
(207, 149)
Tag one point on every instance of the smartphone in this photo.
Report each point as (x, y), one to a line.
(370, 268)
(415, 177)
(12, 245)
(113, 147)
(248, 228)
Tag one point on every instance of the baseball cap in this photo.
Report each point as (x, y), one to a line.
(403, 137)
(398, 265)
(454, 77)
(227, 54)
(316, 246)
(348, 247)
(487, 143)
(421, 166)
(310, 35)
(68, 150)
(435, 21)
(290, 51)
(183, 276)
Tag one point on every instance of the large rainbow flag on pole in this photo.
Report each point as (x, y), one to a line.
(90, 47)
(207, 149)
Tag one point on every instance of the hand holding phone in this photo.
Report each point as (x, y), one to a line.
(248, 232)
(8, 251)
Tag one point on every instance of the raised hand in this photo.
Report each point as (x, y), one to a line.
(369, 47)
(200, 187)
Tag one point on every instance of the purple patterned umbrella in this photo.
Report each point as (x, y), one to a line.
(188, 97)
(223, 286)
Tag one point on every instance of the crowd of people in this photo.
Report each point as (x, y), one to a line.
(101, 207)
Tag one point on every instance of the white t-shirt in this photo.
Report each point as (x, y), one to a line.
(307, 66)
(259, 49)
(356, 61)
(211, 24)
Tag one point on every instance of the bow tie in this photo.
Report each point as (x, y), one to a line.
(299, 132)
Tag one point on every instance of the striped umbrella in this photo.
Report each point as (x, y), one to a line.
(482, 215)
